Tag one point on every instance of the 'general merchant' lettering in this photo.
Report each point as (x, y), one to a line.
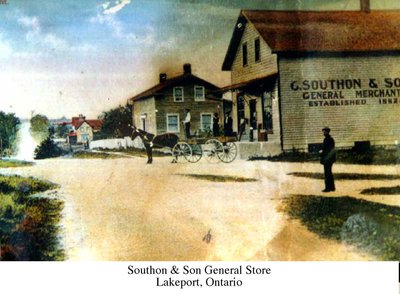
(343, 84)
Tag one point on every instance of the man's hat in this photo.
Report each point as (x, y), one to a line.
(326, 129)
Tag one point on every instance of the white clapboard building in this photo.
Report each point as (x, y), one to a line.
(295, 72)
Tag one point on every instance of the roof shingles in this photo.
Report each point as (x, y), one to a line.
(322, 31)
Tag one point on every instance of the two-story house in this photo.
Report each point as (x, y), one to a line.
(84, 129)
(161, 109)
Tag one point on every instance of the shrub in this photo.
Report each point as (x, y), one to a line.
(48, 149)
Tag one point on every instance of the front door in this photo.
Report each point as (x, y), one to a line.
(240, 109)
(253, 113)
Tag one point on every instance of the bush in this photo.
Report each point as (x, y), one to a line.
(48, 149)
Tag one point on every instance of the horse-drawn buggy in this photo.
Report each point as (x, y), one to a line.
(213, 149)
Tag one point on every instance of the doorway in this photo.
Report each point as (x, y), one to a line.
(253, 113)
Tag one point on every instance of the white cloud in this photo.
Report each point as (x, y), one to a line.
(109, 20)
(35, 35)
(105, 5)
(119, 4)
(55, 42)
(147, 36)
(32, 23)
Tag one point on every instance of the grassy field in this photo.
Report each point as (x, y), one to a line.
(29, 225)
(371, 227)
(94, 155)
(14, 163)
(346, 176)
(219, 178)
(382, 191)
(374, 155)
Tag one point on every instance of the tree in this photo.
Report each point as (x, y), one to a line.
(48, 148)
(62, 131)
(116, 122)
(8, 130)
(40, 127)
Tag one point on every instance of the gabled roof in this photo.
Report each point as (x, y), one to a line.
(76, 121)
(182, 80)
(320, 31)
(95, 124)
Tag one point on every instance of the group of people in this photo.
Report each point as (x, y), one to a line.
(228, 124)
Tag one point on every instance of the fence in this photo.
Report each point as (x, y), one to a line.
(122, 143)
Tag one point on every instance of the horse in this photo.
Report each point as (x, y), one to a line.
(151, 141)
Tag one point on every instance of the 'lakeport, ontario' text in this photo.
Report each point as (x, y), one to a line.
(207, 276)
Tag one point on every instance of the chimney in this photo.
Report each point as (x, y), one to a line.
(365, 6)
(163, 77)
(187, 68)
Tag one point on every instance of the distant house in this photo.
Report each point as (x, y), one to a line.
(294, 72)
(84, 129)
(161, 109)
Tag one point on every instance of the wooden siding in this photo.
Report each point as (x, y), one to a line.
(166, 105)
(145, 107)
(253, 70)
(372, 121)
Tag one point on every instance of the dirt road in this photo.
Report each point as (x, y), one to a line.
(123, 209)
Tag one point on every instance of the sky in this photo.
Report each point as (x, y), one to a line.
(66, 57)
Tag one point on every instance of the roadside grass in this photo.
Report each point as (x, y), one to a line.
(135, 152)
(346, 176)
(29, 225)
(219, 178)
(371, 227)
(94, 155)
(382, 191)
(142, 153)
(371, 156)
(14, 163)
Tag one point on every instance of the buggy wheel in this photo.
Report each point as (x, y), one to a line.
(181, 152)
(197, 153)
(229, 152)
(211, 149)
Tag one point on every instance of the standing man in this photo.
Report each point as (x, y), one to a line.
(328, 157)
(215, 126)
(186, 122)
(228, 124)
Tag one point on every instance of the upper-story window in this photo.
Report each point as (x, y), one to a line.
(199, 94)
(178, 94)
(257, 50)
(244, 54)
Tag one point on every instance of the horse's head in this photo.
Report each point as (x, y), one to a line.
(135, 132)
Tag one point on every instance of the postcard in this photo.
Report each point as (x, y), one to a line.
(185, 130)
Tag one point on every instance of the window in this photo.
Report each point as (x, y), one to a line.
(257, 50)
(173, 123)
(244, 54)
(199, 93)
(178, 94)
(206, 121)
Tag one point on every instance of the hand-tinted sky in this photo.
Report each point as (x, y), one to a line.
(68, 57)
